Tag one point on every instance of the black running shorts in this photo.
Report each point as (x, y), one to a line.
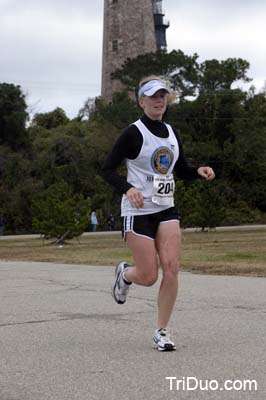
(147, 225)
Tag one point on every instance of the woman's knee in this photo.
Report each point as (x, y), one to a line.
(170, 270)
(149, 278)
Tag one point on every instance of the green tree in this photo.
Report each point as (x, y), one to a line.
(216, 75)
(51, 119)
(17, 186)
(246, 155)
(186, 75)
(120, 112)
(181, 70)
(13, 116)
(59, 213)
(200, 204)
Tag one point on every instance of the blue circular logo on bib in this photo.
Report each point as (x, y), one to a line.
(161, 160)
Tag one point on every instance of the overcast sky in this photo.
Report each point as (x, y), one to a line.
(53, 48)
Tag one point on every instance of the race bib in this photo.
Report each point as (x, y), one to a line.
(163, 190)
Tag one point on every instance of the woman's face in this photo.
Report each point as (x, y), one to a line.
(154, 106)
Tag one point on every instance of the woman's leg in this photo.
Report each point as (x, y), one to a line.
(145, 269)
(168, 243)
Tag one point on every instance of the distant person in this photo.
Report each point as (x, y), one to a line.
(154, 158)
(111, 222)
(94, 221)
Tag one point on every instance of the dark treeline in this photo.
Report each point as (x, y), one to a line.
(50, 168)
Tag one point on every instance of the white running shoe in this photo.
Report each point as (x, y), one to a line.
(120, 288)
(162, 341)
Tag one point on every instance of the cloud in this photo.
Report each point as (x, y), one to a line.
(53, 52)
(219, 29)
(60, 8)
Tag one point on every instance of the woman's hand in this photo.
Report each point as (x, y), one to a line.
(206, 173)
(135, 198)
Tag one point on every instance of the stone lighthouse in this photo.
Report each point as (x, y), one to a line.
(131, 28)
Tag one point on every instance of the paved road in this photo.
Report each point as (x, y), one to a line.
(63, 338)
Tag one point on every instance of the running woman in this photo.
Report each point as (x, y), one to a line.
(153, 153)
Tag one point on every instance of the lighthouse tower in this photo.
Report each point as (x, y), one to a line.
(131, 28)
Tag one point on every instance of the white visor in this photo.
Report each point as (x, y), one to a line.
(151, 87)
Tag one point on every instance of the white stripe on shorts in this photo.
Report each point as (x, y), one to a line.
(128, 226)
(128, 223)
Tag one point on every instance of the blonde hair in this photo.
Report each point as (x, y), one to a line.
(171, 96)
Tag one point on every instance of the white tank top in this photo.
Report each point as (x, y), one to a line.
(151, 172)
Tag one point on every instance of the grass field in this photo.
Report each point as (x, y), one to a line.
(237, 252)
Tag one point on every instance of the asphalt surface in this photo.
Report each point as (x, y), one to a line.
(62, 337)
